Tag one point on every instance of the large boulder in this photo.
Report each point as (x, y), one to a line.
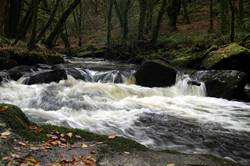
(156, 74)
(47, 77)
(230, 57)
(6, 63)
(228, 84)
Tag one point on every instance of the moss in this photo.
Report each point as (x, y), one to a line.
(184, 56)
(16, 120)
(117, 144)
(215, 57)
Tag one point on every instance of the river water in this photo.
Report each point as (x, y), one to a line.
(178, 118)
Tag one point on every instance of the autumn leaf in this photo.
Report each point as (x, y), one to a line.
(84, 146)
(171, 164)
(3, 108)
(112, 136)
(70, 135)
(6, 133)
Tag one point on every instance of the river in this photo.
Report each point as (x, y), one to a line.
(179, 118)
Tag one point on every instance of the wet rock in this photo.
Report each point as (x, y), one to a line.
(17, 72)
(228, 84)
(6, 63)
(47, 77)
(155, 74)
(231, 57)
(3, 76)
(142, 158)
(75, 73)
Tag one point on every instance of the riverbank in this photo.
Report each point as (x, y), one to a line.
(25, 142)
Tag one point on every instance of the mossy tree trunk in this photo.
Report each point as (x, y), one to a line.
(185, 12)
(3, 9)
(173, 10)
(224, 21)
(13, 17)
(110, 4)
(32, 41)
(211, 14)
(49, 22)
(59, 26)
(232, 8)
(142, 17)
(158, 23)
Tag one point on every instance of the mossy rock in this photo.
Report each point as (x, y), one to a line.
(228, 54)
(15, 120)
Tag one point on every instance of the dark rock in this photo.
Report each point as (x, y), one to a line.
(228, 84)
(193, 82)
(3, 76)
(75, 73)
(17, 72)
(143, 158)
(47, 77)
(6, 63)
(155, 74)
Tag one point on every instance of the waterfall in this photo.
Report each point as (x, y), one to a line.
(188, 86)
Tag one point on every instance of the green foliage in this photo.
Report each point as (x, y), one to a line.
(187, 38)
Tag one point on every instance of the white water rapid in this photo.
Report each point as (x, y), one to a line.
(178, 117)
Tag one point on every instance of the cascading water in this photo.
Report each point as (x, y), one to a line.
(177, 118)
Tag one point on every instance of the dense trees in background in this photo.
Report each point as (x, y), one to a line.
(47, 21)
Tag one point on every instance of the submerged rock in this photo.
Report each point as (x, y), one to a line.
(47, 77)
(231, 57)
(228, 84)
(156, 74)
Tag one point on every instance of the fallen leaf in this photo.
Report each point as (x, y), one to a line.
(112, 137)
(171, 164)
(6, 133)
(22, 143)
(15, 155)
(69, 135)
(99, 143)
(4, 108)
(31, 159)
(127, 153)
(84, 146)
(78, 136)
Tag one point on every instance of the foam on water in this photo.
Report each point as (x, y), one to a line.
(108, 108)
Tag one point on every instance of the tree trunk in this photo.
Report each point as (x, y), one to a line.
(224, 22)
(32, 42)
(58, 28)
(232, 33)
(143, 8)
(173, 10)
(3, 9)
(109, 18)
(118, 13)
(158, 23)
(125, 20)
(48, 24)
(211, 21)
(185, 12)
(25, 23)
(13, 18)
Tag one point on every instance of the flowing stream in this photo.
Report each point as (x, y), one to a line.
(178, 118)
